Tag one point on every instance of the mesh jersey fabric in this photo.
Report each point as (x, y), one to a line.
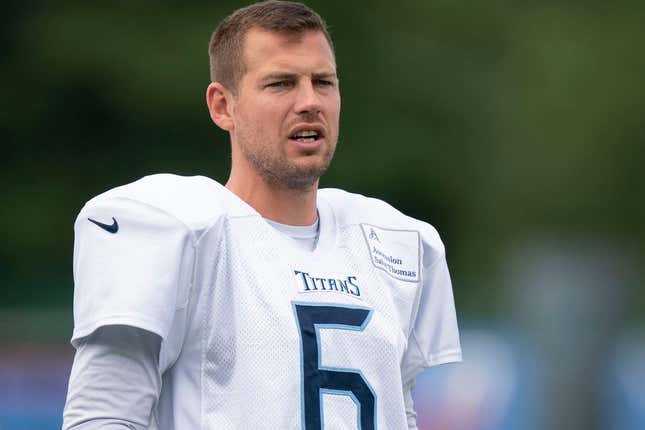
(194, 264)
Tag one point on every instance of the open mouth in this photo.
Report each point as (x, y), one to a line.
(306, 136)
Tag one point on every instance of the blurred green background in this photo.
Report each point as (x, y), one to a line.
(496, 121)
(516, 128)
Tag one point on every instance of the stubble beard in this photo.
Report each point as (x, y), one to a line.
(278, 171)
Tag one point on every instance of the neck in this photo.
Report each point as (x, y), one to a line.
(279, 204)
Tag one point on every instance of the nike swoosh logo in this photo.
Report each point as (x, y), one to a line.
(107, 227)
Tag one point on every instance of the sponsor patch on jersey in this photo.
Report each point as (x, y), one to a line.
(397, 252)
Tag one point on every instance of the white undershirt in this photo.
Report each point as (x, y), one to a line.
(305, 236)
(115, 380)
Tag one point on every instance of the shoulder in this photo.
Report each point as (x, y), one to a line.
(357, 209)
(194, 201)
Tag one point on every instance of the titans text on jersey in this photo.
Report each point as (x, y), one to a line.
(347, 285)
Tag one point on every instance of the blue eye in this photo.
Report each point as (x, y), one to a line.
(279, 84)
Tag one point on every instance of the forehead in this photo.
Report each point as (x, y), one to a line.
(265, 51)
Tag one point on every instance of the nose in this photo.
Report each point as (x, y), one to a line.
(307, 99)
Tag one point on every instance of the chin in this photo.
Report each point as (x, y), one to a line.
(314, 169)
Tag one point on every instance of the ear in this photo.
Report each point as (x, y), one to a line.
(220, 102)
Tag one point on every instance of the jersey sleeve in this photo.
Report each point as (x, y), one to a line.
(138, 275)
(434, 338)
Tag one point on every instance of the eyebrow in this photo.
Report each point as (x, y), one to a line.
(327, 75)
(293, 76)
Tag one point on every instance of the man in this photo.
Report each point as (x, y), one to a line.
(267, 303)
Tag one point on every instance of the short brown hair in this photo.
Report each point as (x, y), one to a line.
(227, 41)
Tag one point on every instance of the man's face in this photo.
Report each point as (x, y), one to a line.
(287, 108)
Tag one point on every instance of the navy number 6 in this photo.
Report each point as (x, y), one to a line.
(318, 379)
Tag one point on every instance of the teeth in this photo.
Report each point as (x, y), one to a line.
(305, 134)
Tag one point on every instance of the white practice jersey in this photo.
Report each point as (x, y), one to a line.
(258, 333)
